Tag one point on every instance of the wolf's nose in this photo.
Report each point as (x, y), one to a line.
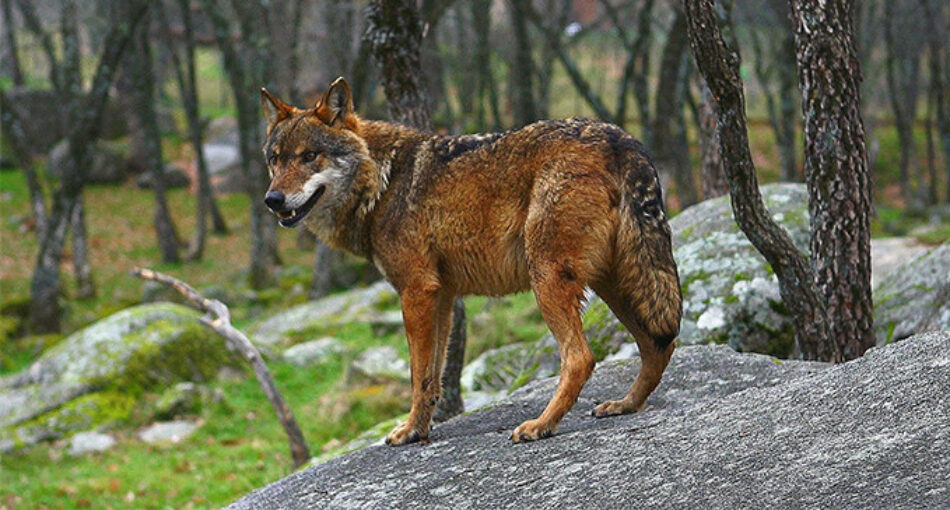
(274, 200)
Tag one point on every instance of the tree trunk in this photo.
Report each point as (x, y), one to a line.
(939, 82)
(185, 77)
(45, 313)
(485, 79)
(522, 73)
(836, 170)
(15, 71)
(394, 33)
(12, 127)
(322, 265)
(668, 145)
(777, 65)
(141, 75)
(719, 64)
(714, 175)
(248, 69)
(85, 286)
(451, 402)
(902, 75)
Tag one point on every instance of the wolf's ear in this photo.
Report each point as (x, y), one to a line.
(275, 110)
(336, 107)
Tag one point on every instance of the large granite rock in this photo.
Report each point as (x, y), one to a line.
(915, 297)
(356, 305)
(94, 377)
(723, 430)
(730, 293)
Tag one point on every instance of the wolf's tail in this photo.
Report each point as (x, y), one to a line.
(644, 267)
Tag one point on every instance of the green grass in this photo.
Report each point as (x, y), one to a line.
(240, 447)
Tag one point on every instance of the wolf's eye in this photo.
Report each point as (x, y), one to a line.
(309, 156)
(272, 160)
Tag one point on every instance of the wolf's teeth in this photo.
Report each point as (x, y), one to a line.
(286, 214)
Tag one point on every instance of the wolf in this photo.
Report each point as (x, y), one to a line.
(555, 207)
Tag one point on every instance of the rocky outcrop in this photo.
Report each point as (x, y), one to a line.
(915, 297)
(730, 293)
(356, 305)
(723, 430)
(94, 377)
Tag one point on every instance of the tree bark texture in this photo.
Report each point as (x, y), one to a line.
(939, 58)
(718, 62)
(322, 278)
(185, 77)
(836, 170)
(394, 32)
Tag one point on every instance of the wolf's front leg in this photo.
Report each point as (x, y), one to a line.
(420, 305)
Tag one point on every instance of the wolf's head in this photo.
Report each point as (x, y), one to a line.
(313, 156)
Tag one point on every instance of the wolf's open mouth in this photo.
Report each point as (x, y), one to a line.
(293, 216)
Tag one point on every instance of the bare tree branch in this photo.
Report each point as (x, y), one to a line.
(220, 323)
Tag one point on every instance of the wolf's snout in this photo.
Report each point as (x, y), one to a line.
(274, 200)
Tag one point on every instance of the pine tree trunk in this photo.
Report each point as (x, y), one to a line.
(836, 170)
(718, 62)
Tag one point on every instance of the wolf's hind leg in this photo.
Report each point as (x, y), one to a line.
(654, 357)
(559, 295)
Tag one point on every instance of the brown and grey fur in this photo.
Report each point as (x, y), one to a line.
(554, 207)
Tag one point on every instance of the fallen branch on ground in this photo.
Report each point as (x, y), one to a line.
(219, 320)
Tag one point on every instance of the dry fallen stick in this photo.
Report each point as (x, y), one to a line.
(221, 324)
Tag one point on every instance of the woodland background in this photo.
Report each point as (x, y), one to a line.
(132, 132)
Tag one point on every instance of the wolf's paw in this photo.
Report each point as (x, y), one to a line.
(404, 434)
(613, 408)
(532, 430)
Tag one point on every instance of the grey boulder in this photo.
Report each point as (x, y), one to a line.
(723, 430)
(362, 304)
(92, 379)
(915, 297)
